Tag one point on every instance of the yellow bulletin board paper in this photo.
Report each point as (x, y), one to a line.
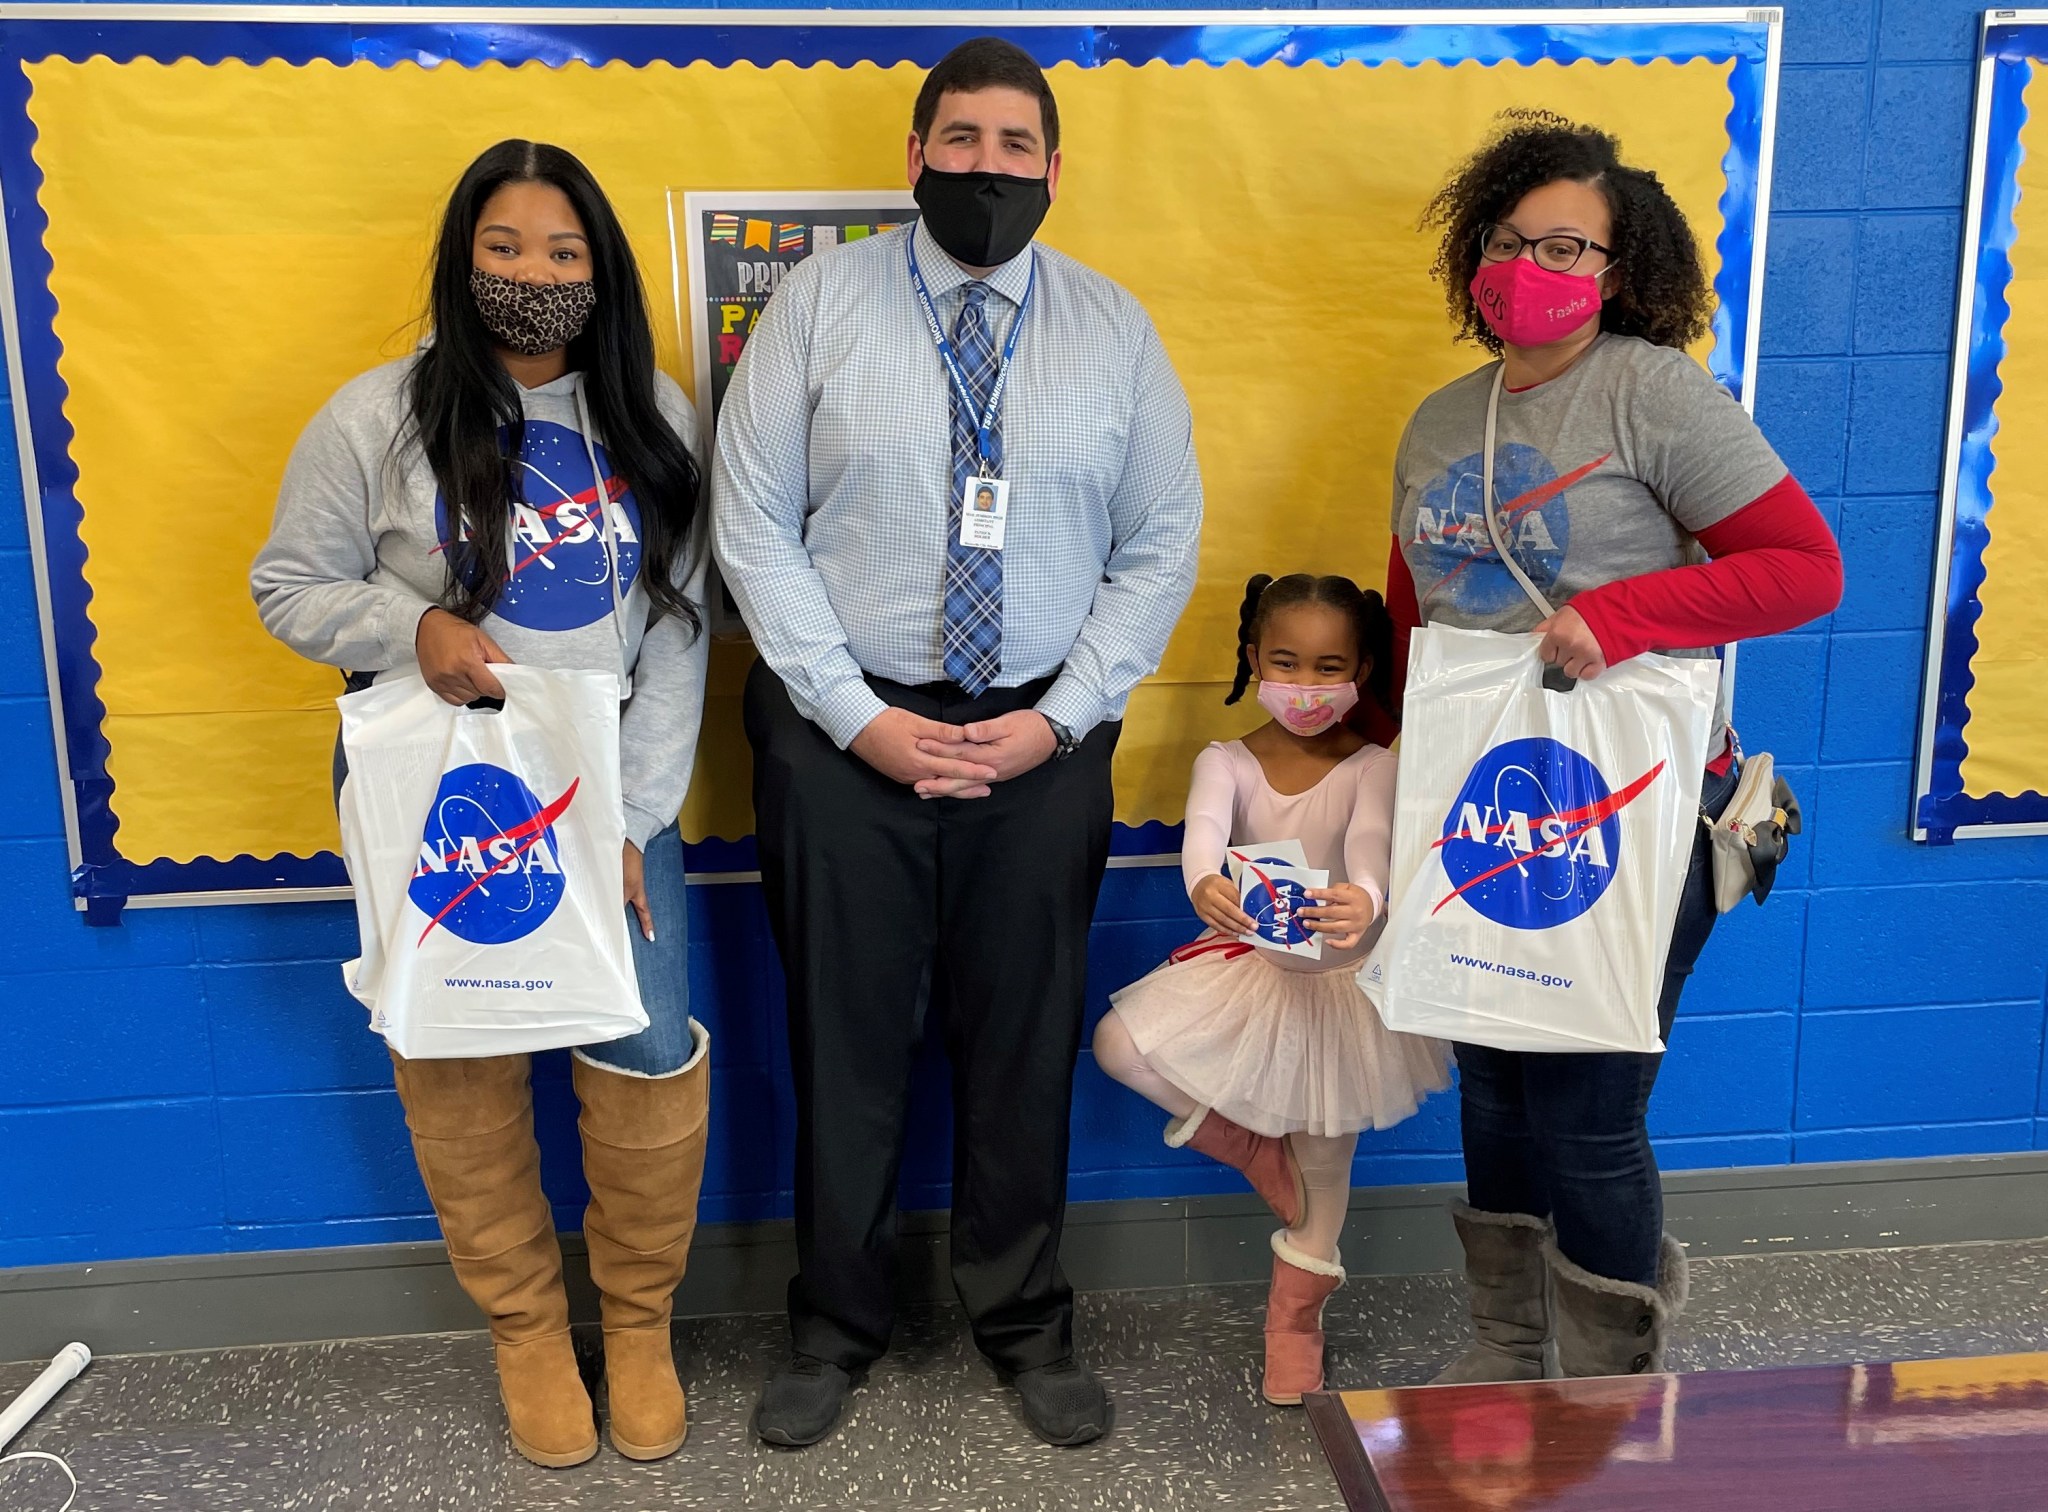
(1981, 770)
(2007, 732)
(230, 242)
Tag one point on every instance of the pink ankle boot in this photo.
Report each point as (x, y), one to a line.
(1294, 1321)
(1267, 1163)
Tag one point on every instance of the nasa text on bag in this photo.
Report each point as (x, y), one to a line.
(486, 848)
(1540, 845)
(487, 870)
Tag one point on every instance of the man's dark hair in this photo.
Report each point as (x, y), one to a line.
(986, 63)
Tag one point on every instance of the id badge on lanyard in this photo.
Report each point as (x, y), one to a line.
(984, 497)
(984, 512)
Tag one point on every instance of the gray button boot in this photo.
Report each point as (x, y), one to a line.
(1615, 1328)
(1510, 1295)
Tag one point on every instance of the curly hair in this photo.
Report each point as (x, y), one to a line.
(1660, 291)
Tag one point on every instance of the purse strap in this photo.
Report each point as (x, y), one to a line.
(1493, 525)
(1553, 677)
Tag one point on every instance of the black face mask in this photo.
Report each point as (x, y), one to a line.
(981, 219)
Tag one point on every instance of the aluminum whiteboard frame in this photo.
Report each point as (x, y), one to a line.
(1770, 17)
(1952, 448)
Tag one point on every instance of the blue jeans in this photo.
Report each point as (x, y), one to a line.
(672, 1039)
(1566, 1137)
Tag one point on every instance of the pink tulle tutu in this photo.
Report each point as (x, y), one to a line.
(1278, 1050)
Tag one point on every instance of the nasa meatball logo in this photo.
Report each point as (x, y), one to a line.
(1533, 839)
(559, 575)
(489, 870)
(1451, 549)
(1275, 905)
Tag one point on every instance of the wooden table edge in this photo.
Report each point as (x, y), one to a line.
(1345, 1454)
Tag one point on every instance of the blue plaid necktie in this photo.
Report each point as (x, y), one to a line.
(973, 631)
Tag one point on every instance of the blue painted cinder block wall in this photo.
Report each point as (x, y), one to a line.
(196, 1080)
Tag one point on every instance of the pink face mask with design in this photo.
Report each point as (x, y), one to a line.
(1308, 708)
(1528, 306)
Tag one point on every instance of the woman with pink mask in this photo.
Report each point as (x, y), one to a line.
(1644, 504)
(1272, 1063)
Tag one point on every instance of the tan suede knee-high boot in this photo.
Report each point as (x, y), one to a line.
(472, 1133)
(643, 1154)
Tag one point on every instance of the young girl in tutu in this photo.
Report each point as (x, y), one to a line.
(1267, 1062)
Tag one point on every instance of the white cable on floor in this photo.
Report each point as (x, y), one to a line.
(58, 1374)
(37, 1454)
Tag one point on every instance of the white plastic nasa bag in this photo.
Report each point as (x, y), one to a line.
(486, 851)
(1541, 840)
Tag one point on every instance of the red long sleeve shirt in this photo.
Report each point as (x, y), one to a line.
(1774, 566)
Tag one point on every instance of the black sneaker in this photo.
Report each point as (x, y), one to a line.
(801, 1402)
(1064, 1403)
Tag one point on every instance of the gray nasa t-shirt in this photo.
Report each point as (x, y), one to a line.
(1603, 473)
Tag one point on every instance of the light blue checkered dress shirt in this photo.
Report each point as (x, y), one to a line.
(830, 493)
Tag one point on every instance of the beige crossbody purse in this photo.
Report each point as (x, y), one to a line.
(1753, 833)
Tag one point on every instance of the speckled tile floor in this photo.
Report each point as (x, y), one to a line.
(413, 1422)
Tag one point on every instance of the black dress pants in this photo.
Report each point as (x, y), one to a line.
(876, 896)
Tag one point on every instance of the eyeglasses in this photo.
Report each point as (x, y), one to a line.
(1559, 253)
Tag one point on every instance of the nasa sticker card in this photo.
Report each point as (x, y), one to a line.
(1274, 895)
(1266, 852)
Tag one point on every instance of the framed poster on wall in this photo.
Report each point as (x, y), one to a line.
(1982, 766)
(735, 248)
(300, 154)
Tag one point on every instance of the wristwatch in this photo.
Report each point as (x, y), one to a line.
(1064, 741)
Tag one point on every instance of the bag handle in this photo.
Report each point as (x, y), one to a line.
(1553, 678)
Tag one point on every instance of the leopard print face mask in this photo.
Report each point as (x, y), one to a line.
(532, 319)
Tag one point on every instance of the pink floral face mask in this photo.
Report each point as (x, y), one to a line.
(1308, 708)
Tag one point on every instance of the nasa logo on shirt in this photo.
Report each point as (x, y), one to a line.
(559, 574)
(1533, 838)
(1450, 551)
(489, 870)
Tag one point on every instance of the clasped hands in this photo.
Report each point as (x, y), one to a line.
(954, 761)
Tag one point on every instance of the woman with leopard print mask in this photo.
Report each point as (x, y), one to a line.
(520, 489)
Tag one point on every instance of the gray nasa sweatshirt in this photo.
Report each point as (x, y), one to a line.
(355, 558)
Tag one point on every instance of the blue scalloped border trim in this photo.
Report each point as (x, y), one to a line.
(1945, 808)
(106, 879)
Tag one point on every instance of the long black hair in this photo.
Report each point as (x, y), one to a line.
(1367, 610)
(460, 398)
(1660, 288)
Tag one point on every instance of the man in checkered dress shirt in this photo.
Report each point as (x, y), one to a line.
(935, 837)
